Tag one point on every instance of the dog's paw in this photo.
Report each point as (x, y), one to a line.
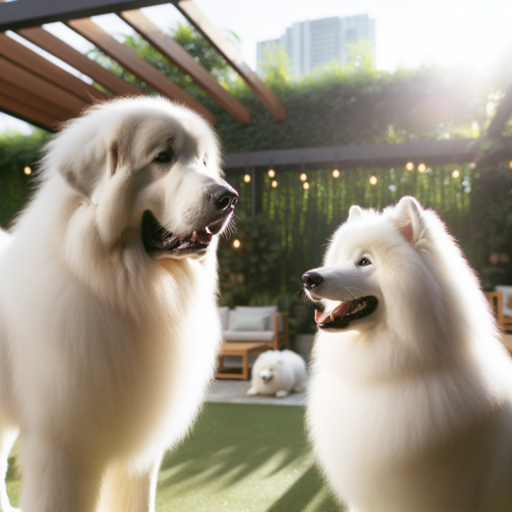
(252, 392)
(281, 393)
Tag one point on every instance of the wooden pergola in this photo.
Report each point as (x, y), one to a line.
(39, 92)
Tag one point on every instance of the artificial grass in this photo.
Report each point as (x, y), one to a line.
(238, 457)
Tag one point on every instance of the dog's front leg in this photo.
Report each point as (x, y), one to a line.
(129, 491)
(57, 480)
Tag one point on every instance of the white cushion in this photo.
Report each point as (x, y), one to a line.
(506, 291)
(256, 310)
(249, 323)
(248, 335)
(224, 314)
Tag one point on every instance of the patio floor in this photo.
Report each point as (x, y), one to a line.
(235, 392)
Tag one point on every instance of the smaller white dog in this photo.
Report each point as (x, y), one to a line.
(278, 373)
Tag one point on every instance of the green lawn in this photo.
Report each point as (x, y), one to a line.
(238, 458)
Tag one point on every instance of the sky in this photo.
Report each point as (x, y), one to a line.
(408, 32)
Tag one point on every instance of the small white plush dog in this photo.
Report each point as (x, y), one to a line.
(278, 373)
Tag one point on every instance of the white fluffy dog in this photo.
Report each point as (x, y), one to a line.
(410, 399)
(278, 373)
(108, 320)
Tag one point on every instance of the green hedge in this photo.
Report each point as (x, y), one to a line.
(17, 152)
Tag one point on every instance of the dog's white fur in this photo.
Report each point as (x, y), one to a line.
(410, 408)
(278, 373)
(105, 353)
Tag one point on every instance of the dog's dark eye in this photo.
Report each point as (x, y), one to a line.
(365, 262)
(164, 156)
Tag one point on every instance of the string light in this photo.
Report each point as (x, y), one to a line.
(373, 180)
(306, 185)
(472, 165)
(510, 164)
(336, 173)
(274, 184)
(422, 168)
(27, 170)
(236, 243)
(247, 178)
(455, 174)
(409, 166)
(303, 177)
(271, 173)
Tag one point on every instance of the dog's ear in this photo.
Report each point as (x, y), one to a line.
(81, 182)
(408, 217)
(354, 213)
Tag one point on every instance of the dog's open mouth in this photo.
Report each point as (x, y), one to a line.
(345, 312)
(160, 243)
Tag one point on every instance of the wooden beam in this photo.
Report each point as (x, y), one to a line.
(34, 84)
(139, 67)
(33, 13)
(186, 63)
(229, 52)
(82, 63)
(26, 113)
(34, 101)
(368, 155)
(22, 56)
(502, 115)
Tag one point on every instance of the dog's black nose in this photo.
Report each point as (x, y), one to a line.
(224, 197)
(311, 279)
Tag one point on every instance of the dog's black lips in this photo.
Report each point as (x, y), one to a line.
(157, 239)
(371, 304)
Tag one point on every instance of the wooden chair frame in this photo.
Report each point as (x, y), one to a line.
(280, 338)
(496, 300)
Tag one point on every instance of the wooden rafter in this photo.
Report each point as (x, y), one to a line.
(31, 100)
(139, 67)
(229, 52)
(185, 62)
(38, 65)
(27, 113)
(82, 63)
(34, 84)
(502, 115)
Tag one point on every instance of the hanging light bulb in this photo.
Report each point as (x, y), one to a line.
(274, 184)
(455, 174)
(373, 180)
(247, 178)
(409, 166)
(271, 173)
(27, 170)
(306, 185)
(422, 168)
(335, 173)
(303, 177)
(236, 243)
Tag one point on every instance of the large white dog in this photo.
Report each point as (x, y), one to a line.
(410, 401)
(108, 320)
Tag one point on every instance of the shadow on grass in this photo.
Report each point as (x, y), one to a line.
(231, 442)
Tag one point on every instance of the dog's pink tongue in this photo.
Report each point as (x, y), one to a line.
(338, 312)
(203, 237)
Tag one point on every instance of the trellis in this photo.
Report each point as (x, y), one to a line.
(309, 217)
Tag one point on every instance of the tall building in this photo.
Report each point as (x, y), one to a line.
(310, 44)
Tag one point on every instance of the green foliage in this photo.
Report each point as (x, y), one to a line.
(276, 65)
(16, 152)
(251, 269)
(191, 40)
